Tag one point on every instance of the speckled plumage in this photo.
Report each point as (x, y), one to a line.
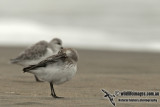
(38, 52)
(56, 69)
(34, 52)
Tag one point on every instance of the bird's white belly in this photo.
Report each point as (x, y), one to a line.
(57, 75)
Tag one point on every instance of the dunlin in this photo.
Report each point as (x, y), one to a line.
(56, 69)
(37, 53)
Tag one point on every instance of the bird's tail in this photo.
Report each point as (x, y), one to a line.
(14, 61)
(27, 69)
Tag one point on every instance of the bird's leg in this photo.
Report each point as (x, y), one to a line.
(53, 92)
(36, 78)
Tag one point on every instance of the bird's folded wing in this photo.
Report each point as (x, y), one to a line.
(34, 52)
(44, 63)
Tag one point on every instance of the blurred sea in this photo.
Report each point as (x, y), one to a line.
(92, 24)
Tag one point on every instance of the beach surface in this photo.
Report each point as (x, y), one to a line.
(109, 70)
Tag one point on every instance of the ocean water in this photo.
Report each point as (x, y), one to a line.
(98, 24)
(25, 33)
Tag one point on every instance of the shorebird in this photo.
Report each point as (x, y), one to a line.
(56, 69)
(37, 53)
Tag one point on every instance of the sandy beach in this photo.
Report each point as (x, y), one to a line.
(109, 70)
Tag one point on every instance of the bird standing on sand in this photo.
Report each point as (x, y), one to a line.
(56, 69)
(37, 53)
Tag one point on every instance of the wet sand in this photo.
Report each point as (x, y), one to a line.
(110, 70)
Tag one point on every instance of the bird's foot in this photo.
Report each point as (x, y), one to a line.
(55, 96)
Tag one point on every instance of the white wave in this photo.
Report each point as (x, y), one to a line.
(21, 32)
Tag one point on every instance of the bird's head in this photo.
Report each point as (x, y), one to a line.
(70, 53)
(56, 44)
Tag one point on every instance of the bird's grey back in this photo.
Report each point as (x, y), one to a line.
(34, 52)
